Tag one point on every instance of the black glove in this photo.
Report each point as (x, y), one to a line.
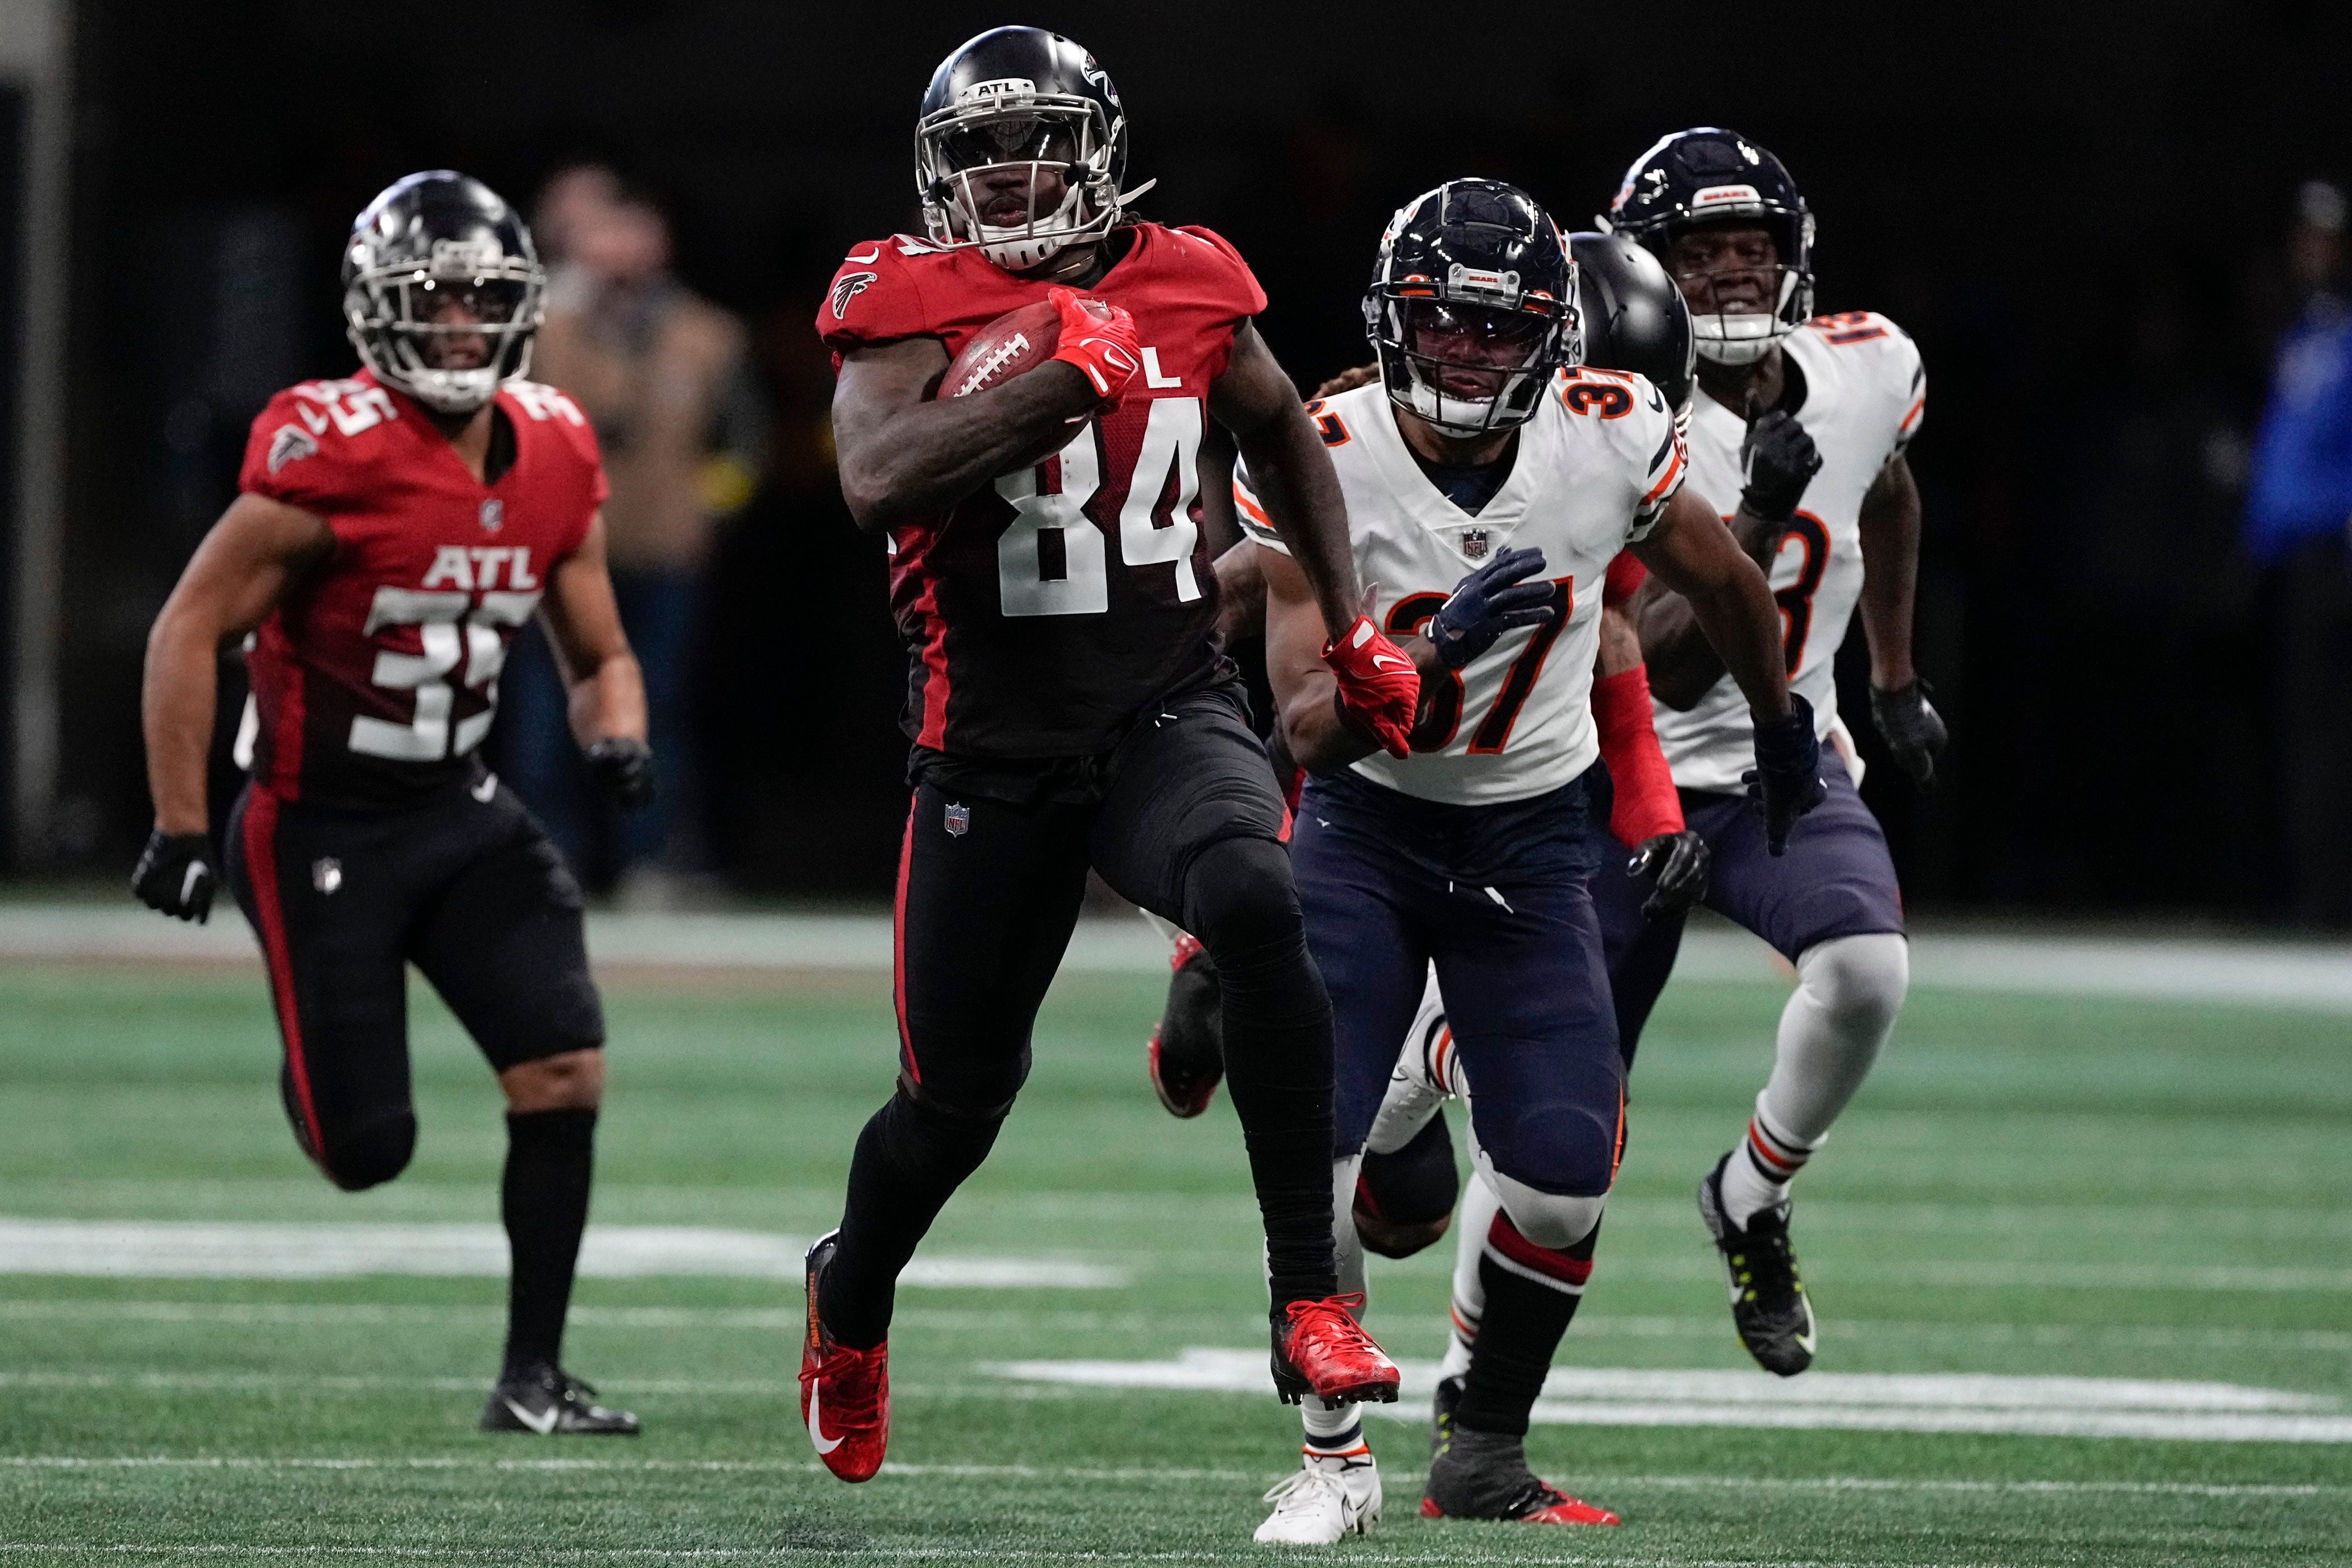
(624, 771)
(175, 875)
(1786, 781)
(1779, 460)
(1676, 864)
(1487, 603)
(1914, 731)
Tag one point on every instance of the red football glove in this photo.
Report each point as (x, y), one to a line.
(1379, 687)
(1100, 339)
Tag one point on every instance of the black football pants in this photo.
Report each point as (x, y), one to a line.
(1187, 823)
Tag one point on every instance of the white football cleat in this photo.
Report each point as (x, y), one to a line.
(1328, 1499)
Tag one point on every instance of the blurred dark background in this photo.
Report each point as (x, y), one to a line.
(2081, 213)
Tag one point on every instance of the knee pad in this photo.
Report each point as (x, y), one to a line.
(1550, 1219)
(1240, 900)
(1405, 1201)
(1859, 982)
(361, 1154)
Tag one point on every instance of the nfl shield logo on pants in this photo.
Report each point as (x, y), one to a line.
(1474, 543)
(958, 821)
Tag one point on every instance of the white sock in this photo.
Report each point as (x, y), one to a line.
(1480, 1204)
(1332, 1426)
(1849, 990)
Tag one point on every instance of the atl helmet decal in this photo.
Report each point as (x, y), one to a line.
(1007, 89)
(472, 255)
(290, 445)
(849, 288)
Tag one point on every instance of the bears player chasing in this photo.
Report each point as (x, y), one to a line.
(1484, 446)
(1808, 422)
(392, 532)
(1066, 698)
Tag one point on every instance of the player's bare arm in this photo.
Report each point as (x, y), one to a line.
(1306, 691)
(1890, 578)
(1620, 645)
(1692, 554)
(234, 579)
(583, 623)
(905, 453)
(1241, 588)
(1291, 474)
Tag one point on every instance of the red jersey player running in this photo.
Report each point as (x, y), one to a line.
(392, 533)
(1068, 699)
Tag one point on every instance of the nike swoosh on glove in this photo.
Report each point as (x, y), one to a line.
(175, 875)
(1379, 688)
(624, 771)
(1676, 866)
(1487, 603)
(1780, 460)
(1100, 339)
(1786, 781)
(1914, 731)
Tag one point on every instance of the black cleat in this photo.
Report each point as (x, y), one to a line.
(1442, 1407)
(1484, 1475)
(1188, 1049)
(548, 1400)
(1768, 1304)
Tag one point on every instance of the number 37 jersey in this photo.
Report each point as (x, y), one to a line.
(1043, 612)
(1864, 395)
(377, 675)
(1592, 470)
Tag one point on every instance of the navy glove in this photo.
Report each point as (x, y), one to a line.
(1786, 781)
(624, 771)
(1487, 603)
(1779, 460)
(175, 875)
(1676, 866)
(1914, 731)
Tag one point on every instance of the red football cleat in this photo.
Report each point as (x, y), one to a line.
(1323, 1350)
(845, 1393)
(1188, 1048)
(1561, 1508)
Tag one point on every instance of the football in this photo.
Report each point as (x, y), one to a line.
(1017, 342)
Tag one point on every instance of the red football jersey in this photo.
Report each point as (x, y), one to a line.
(1045, 610)
(377, 673)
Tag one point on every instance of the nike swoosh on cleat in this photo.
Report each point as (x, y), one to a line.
(825, 1444)
(542, 1424)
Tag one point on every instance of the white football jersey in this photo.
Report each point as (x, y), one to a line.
(1865, 393)
(1595, 467)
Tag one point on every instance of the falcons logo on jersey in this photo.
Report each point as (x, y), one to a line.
(849, 288)
(290, 445)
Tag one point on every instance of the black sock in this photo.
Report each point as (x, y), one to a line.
(544, 1201)
(1525, 1318)
(1242, 904)
(909, 1161)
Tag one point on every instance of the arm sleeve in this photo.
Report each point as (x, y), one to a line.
(1626, 575)
(1645, 803)
(874, 300)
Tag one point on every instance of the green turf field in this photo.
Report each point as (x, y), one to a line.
(2032, 1188)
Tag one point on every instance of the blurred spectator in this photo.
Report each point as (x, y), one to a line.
(2298, 511)
(664, 376)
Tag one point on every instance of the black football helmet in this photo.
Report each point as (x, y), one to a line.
(1473, 305)
(1634, 317)
(440, 269)
(1708, 175)
(1023, 99)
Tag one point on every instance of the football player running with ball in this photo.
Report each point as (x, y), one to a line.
(1807, 421)
(1066, 698)
(1489, 483)
(393, 532)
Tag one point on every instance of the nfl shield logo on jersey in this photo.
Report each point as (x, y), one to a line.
(1474, 543)
(494, 515)
(958, 821)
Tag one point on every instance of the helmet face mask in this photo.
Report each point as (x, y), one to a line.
(1020, 149)
(1708, 183)
(441, 291)
(1472, 309)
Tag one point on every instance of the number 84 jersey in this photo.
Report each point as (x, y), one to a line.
(377, 675)
(1591, 472)
(1862, 396)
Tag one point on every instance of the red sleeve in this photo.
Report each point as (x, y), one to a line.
(1646, 804)
(1626, 575)
(1231, 282)
(874, 300)
(294, 455)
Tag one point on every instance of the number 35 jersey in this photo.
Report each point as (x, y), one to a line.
(1043, 611)
(377, 675)
(1592, 470)
(1864, 395)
